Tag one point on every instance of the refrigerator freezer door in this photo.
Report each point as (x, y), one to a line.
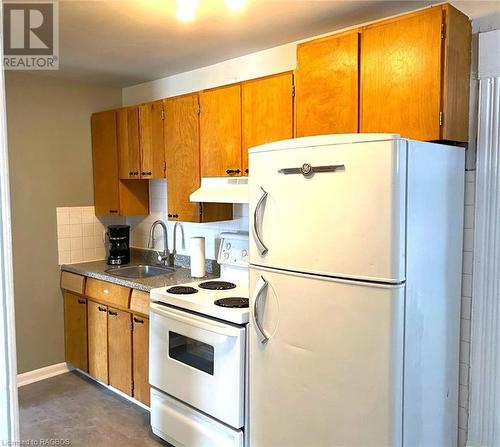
(336, 210)
(330, 372)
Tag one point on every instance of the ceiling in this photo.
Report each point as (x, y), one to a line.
(123, 43)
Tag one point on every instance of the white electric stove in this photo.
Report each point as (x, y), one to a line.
(225, 297)
(197, 365)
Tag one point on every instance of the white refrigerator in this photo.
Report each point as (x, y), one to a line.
(355, 277)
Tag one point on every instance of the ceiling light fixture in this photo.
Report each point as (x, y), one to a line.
(186, 10)
(235, 5)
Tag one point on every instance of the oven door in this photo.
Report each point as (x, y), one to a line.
(199, 361)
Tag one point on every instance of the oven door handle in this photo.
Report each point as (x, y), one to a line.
(197, 322)
(262, 286)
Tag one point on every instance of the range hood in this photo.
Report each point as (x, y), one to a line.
(222, 190)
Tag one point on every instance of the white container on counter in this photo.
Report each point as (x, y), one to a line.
(197, 251)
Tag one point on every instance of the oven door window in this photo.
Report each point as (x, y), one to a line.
(192, 352)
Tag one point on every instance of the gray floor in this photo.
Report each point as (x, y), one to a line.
(73, 407)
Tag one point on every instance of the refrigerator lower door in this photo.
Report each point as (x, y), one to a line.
(325, 361)
(346, 221)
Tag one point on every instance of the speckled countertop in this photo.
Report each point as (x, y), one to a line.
(182, 274)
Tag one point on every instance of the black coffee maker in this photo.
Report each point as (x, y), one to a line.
(119, 249)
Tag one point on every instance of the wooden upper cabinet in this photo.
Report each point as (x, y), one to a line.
(105, 161)
(151, 140)
(127, 130)
(327, 85)
(220, 131)
(182, 154)
(120, 350)
(98, 340)
(415, 75)
(267, 112)
(75, 330)
(113, 196)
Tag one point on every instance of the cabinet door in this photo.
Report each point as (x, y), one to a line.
(127, 130)
(182, 153)
(75, 330)
(140, 343)
(401, 76)
(120, 350)
(267, 112)
(327, 85)
(98, 341)
(220, 131)
(105, 161)
(151, 137)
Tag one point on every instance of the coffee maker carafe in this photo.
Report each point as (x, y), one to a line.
(119, 250)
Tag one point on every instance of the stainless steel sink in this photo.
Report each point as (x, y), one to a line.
(140, 271)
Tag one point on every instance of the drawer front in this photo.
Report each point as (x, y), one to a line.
(182, 425)
(139, 302)
(72, 282)
(107, 292)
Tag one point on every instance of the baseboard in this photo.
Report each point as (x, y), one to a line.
(109, 387)
(42, 373)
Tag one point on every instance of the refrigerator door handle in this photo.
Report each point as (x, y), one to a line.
(259, 293)
(257, 237)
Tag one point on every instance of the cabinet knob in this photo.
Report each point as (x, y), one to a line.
(101, 309)
(113, 211)
(82, 302)
(176, 215)
(138, 320)
(246, 171)
(232, 171)
(170, 215)
(112, 313)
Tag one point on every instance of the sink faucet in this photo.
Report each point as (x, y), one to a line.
(163, 257)
(174, 250)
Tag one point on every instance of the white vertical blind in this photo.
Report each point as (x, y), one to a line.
(484, 418)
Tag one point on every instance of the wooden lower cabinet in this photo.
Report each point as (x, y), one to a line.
(75, 330)
(98, 340)
(110, 343)
(140, 358)
(120, 350)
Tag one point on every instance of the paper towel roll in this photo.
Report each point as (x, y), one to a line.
(197, 257)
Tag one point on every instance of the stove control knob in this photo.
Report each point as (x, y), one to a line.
(244, 253)
(226, 256)
(228, 246)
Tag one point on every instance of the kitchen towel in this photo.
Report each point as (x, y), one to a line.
(197, 257)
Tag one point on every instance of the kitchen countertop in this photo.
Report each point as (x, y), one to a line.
(97, 270)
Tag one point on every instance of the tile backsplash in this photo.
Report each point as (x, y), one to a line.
(141, 225)
(80, 234)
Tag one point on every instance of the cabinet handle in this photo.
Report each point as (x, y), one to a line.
(246, 171)
(169, 215)
(146, 173)
(137, 320)
(130, 173)
(101, 309)
(113, 211)
(232, 171)
(112, 313)
(82, 302)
